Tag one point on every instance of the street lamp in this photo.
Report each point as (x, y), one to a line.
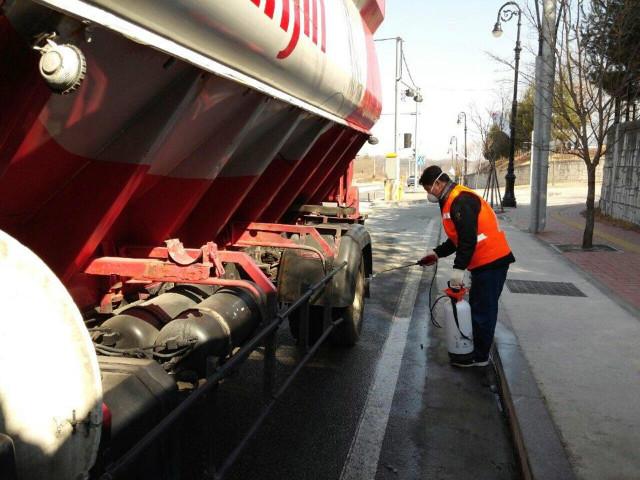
(506, 13)
(464, 115)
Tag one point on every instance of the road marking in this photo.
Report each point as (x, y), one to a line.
(364, 454)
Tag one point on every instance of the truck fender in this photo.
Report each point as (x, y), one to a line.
(298, 271)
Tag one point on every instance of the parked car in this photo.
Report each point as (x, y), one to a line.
(411, 181)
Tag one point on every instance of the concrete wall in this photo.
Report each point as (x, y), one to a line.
(365, 167)
(562, 169)
(620, 197)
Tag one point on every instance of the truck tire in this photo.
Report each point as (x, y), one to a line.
(348, 332)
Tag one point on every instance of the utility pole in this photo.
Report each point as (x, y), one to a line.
(415, 152)
(465, 150)
(397, 80)
(464, 174)
(543, 103)
(395, 108)
(454, 163)
(418, 99)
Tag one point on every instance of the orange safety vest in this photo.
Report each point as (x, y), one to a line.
(492, 242)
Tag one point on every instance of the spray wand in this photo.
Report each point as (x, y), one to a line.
(431, 305)
(394, 268)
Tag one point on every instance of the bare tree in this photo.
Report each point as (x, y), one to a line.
(481, 121)
(490, 122)
(584, 109)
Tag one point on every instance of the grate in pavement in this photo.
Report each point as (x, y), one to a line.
(568, 247)
(562, 289)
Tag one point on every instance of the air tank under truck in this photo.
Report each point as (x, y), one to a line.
(175, 185)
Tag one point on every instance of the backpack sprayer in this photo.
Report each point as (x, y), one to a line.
(457, 323)
(457, 319)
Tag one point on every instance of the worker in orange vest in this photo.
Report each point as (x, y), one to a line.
(480, 246)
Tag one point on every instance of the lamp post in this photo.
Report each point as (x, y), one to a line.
(464, 115)
(506, 13)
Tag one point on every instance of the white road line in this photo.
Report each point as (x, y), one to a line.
(364, 454)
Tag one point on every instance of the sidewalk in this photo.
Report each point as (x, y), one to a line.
(618, 270)
(582, 351)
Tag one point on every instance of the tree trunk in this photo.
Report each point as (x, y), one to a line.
(587, 237)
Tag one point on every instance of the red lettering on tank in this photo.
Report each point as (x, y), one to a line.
(307, 14)
(310, 18)
(270, 7)
(323, 28)
(284, 21)
(315, 22)
(295, 35)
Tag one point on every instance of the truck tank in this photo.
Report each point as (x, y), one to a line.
(159, 159)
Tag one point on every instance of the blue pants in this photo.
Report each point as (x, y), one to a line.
(486, 287)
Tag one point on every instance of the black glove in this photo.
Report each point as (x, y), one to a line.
(429, 259)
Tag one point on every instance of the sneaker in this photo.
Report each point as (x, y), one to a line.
(471, 362)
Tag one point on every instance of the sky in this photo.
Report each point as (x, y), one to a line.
(445, 45)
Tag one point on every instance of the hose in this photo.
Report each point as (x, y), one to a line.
(143, 352)
(433, 279)
(435, 302)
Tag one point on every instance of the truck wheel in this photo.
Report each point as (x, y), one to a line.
(347, 333)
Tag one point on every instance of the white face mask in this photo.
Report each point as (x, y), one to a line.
(430, 196)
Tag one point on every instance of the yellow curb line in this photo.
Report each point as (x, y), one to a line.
(616, 241)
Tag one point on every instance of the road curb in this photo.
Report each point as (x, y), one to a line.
(538, 446)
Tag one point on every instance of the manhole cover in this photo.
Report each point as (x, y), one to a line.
(577, 248)
(562, 289)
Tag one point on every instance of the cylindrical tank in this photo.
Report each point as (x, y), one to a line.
(218, 324)
(50, 389)
(138, 326)
(457, 325)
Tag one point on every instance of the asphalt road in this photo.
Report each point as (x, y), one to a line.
(390, 407)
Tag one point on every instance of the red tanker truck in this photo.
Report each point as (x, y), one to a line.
(175, 184)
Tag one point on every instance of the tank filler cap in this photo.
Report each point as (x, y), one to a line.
(62, 66)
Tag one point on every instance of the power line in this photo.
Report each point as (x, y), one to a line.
(404, 60)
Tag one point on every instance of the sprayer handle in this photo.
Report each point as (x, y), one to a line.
(455, 293)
